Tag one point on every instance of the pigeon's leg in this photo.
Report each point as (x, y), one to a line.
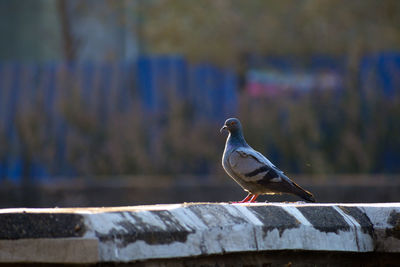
(246, 199)
(254, 197)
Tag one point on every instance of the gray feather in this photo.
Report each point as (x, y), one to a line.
(252, 170)
(250, 166)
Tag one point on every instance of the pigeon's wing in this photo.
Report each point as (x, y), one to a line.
(252, 166)
(255, 173)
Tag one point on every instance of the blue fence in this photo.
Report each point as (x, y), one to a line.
(105, 88)
(109, 88)
(380, 70)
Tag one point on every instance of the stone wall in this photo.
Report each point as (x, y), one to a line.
(204, 234)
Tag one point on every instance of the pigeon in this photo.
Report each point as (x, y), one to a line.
(252, 170)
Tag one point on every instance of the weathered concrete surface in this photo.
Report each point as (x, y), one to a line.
(57, 250)
(128, 234)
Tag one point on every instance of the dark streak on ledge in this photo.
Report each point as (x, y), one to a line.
(45, 225)
(325, 219)
(394, 220)
(275, 218)
(152, 235)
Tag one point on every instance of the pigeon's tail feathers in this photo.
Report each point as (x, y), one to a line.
(304, 194)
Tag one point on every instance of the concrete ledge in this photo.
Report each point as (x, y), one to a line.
(129, 234)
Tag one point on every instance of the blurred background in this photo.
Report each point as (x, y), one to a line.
(106, 102)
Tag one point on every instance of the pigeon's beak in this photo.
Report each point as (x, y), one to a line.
(223, 128)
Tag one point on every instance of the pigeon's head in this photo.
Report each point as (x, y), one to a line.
(232, 125)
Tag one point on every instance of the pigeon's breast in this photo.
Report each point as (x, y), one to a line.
(225, 161)
(227, 167)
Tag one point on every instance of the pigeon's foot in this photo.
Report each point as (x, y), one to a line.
(251, 198)
(246, 199)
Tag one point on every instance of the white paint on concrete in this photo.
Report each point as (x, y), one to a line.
(349, 220)
(306, 238)
(221, 227)
(246, 213)
(379, 217)
(102, 223)
(150, 219)
(187, 219)
(292, 210)
(309, 238)
(364, 241)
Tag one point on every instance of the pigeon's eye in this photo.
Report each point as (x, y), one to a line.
(233, 123)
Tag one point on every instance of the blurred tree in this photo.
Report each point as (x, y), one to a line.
(29, 30)
(223, 31)
(312, 133)
(69, 44)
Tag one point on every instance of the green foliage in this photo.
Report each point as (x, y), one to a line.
(315, 133)
(320, 133)
(223, 31)
(141, 142)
